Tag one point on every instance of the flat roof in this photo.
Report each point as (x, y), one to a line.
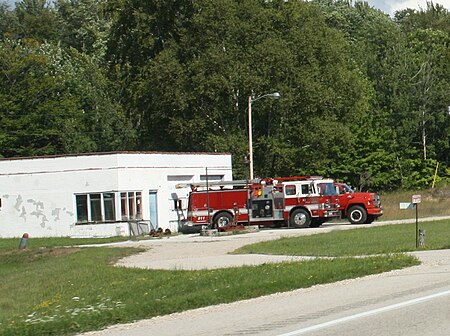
(108, 153)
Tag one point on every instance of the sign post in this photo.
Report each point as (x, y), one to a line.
(416, 199)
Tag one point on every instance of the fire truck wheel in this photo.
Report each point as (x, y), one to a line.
(221, 220)
(370, 219)
(300, 218)
(357, 214)
(317, 222)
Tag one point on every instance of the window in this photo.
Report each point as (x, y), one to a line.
(327, 189)
(110, 206)
(347, 189)
(305, 189)
(290, 190)
(131, 205)
(179, 178)
(211, 177)
(95, 207)
(82, 208)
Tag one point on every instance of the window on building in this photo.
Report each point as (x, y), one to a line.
(95, 207)
(179, 178)
(211, 177)
(110, 206)
(131, 205)
(82, 208)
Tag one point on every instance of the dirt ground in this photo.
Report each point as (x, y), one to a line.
(193, 251)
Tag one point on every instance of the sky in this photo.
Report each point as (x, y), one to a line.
(387, 6)
(391, 6)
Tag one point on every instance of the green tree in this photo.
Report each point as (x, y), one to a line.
(435, 17)
(394, 127)
(52, 102)
(430, 89)
(31, 117)
(189, 79)
(8, 22)
(37, 20)
(428, 37)
(83, 25)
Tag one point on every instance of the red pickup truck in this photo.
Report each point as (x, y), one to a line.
(358, 207)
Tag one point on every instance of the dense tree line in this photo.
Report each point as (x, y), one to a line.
(365, 97)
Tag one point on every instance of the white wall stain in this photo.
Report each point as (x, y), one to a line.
(55, 213)
(36, 209)
(19, 202)
(23, 214)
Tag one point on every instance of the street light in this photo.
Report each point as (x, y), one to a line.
(252, 99)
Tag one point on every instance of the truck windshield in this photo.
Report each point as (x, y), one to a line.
(327, 189)
(347, 189)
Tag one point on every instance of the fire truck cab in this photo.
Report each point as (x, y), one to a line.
(301, 201)
(358, 207)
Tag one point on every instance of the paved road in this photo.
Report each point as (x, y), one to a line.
(413, 301)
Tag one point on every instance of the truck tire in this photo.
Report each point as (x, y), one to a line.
(222, 220)
(370, 219)
(300, 218)
(185, 229)
(357, 214)
(317, 222)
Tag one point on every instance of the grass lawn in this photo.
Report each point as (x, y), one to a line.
(51, 290)
(365, 241)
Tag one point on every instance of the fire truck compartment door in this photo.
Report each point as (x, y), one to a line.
(262, 208)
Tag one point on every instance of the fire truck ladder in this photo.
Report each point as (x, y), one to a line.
(178, 208)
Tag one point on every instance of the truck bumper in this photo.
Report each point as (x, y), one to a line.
(190, 227)
(332, 214)
(377, 212)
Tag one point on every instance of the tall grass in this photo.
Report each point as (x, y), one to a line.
(435, 202)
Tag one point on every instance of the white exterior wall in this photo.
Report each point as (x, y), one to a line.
(38, 194)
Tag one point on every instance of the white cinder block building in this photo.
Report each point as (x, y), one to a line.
(101, 194)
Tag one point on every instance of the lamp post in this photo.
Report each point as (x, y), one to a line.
(252, 99)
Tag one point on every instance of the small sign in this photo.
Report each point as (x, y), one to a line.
(416, 199)
(406, 206)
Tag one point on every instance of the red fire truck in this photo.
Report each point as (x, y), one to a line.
(301, 201)
(358, 207)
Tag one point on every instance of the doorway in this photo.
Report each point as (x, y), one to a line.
(153, 206)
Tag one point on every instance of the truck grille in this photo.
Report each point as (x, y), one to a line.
(376, 200)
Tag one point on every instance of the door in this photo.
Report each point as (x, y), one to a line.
(153, 204)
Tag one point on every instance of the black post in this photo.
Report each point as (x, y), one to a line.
(417, 224)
